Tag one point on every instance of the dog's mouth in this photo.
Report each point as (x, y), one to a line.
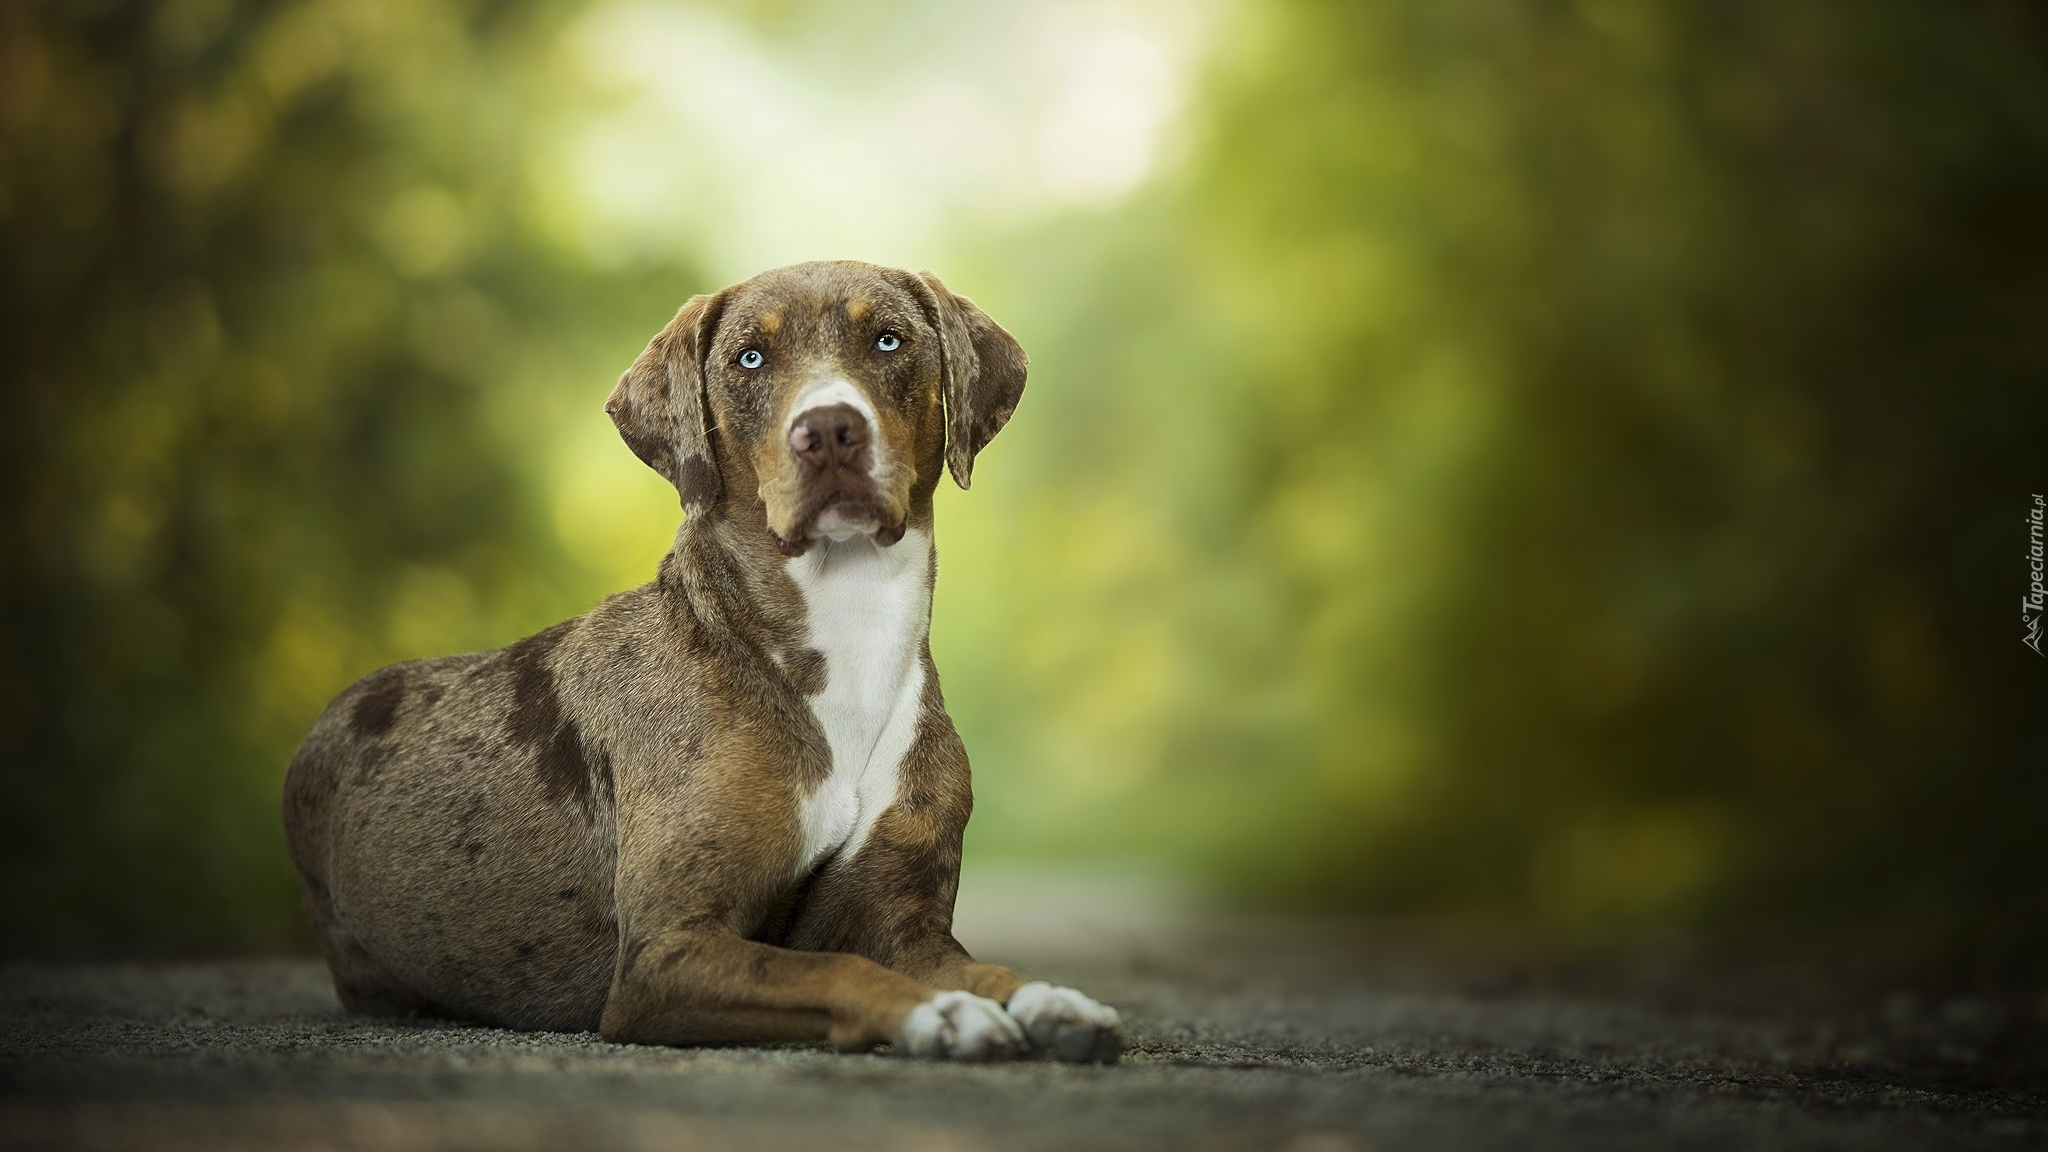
(839, 516)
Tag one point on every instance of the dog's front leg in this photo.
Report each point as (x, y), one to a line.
(892, 901)
(873, 906)
(688, 891)
(711, 987)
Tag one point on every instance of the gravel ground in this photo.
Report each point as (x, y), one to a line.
(1306, 1039)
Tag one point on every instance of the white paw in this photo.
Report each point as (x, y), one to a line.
(1068, 1024)
(962, 1026)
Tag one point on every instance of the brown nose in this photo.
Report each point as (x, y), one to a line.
(833, 434)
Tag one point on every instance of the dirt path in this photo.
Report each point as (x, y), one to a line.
(1315, 1042)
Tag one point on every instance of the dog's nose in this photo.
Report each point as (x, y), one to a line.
(833, 434)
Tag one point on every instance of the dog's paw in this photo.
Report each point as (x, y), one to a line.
(1067, 1024)
(963, 1026)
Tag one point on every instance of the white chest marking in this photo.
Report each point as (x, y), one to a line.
(869, 608)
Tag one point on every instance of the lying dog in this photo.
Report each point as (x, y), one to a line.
(726, 806)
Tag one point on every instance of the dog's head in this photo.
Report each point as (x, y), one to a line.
(834, 388)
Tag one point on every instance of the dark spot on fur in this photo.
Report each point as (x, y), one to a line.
(601, 774)
(935, 873)
(699, 481)
(523, 947)
(538, 723)
(473, 849)
(372, 761)
(806, 671)
(563, 770)
(568, 893)
(536, 710)
(377, 708)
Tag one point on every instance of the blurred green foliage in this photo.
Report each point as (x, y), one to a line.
(276, 341)
(1563, 461)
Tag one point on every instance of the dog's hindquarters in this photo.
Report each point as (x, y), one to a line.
(449, 864)
(324, 771)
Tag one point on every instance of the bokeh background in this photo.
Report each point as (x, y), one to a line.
(1559, 462)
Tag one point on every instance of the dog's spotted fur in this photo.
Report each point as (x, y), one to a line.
(715, 808)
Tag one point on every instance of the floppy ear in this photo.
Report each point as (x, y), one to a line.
(659, 404)
(982, 374)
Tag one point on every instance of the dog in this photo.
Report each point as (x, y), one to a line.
(725, 807)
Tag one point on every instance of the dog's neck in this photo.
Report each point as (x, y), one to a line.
(867, 611)
(844, 624)
(725, 575)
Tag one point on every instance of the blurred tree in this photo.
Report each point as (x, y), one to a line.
(1751, 296)
(266, 278)
(1626, 414)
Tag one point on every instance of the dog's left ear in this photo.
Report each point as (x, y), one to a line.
(983, 374)
(659, 406)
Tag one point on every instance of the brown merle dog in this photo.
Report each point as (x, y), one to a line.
(725, 806)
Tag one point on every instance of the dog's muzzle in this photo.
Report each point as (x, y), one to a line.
(833, 448)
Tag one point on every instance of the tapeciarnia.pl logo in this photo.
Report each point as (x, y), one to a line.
(2032, 603)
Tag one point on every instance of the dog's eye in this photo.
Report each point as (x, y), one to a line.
(751, 358)
(888, 342)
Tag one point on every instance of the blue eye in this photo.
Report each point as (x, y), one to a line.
(888, 342)
(751, 358)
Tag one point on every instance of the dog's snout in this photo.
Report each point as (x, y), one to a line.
(832, 434)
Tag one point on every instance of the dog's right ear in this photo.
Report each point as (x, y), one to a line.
(659, 405)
